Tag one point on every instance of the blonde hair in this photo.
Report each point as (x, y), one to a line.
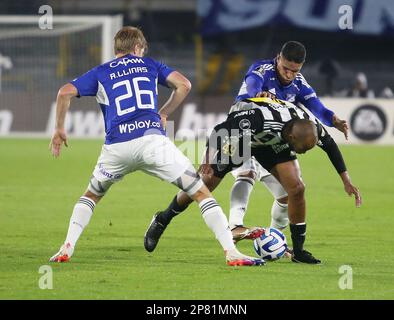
(127, 39)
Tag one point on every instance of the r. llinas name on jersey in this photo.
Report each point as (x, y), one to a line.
(122, 73)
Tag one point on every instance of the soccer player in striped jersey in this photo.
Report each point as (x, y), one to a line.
(277, 78)
(126, 90)
(271, 131)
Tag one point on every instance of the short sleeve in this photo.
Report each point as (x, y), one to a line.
(163, 72)
(260, 70)
(87, 84)
(256, 77)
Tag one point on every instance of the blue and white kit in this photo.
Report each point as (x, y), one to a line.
(126, 90)
(262, 76)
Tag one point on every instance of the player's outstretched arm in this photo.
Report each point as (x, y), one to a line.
(341, 125)
(181, 87)
(325, 115)
(328, 144)
(350, 188)
(64, 96)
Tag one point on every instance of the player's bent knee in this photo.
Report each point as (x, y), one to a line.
(201, 194)
(249, 174)
(98, 188)
(189, 182)
(297, 190)
(92, 196)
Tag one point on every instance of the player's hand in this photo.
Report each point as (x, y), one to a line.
(351, 189)
(341, 125)
(206, 169)
(59, 137)
(265, 94)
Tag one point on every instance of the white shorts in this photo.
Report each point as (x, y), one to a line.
(153, 154)
(251, 165)
(263, 175)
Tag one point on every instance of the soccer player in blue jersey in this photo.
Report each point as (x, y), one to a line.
(277, 78)
(126, 90)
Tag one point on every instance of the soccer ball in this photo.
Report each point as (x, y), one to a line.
(271, 245)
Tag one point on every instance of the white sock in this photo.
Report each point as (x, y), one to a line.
(280, 215)
(80, 218)
(239, 199)
(217, 222)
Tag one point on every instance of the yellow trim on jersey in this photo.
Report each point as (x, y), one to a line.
(263, 101)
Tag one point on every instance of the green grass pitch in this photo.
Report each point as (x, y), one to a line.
(38, 192)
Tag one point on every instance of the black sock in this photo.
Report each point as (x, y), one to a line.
(298, 233)
(173, 210)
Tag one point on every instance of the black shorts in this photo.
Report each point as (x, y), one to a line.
(268, 157)
(221, 168)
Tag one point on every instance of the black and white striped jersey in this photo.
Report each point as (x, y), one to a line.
(264, 118)
(258, 123)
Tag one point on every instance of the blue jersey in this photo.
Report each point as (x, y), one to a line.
(262, 76)
(126, 90)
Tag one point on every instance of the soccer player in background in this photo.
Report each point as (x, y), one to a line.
(276, 130)
(126, 90)
(277, 78)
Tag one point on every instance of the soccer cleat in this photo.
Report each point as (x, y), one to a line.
(153, 234)
(304, 257)
(236, 258)
(241, 232)
(64, 254)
